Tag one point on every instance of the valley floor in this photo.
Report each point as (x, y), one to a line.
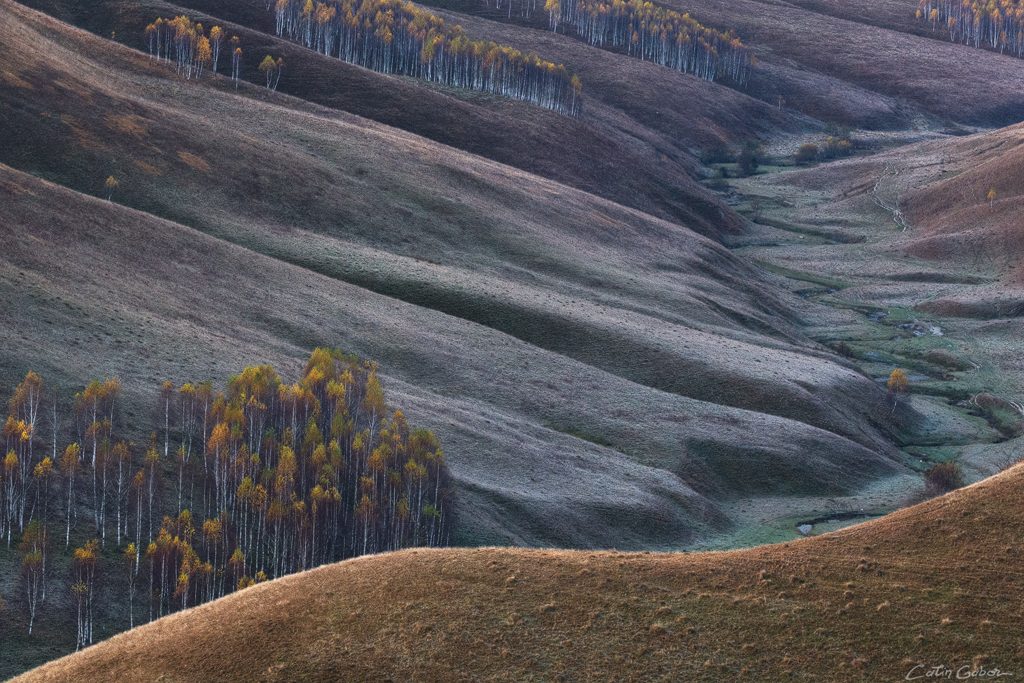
(842, 251)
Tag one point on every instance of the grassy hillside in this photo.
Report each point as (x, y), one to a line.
(507, 296)
(637, 154)
(922, 587)
(863, 65)
(957, 218)
(902, 68)
(958, 200)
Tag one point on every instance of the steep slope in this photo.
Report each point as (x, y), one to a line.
(963, 199)
(933, 585)
(904, 69)
(599, 376)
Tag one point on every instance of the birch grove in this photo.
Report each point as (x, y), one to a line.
(231, 487)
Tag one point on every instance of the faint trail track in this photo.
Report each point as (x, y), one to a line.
(893, 208)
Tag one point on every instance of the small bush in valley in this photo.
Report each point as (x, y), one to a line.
(807, 154)
(943, 478)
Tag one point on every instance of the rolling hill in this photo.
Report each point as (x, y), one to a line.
(948, 220)
(645, 164)
(335, 230)
(866, 65)
(928, 586)
(621, 340)
(950, 201)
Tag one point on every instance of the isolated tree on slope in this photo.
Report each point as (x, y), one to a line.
(898, 383)
(204, 55)
(130, 558)
(216, 38)
(84, 562)
(69, 467)
(236, 60)
(271, 69)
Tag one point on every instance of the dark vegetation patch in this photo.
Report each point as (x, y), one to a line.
(1003, 415)
(946, 359)
(943, 478)
(583, 433)
(981, 309)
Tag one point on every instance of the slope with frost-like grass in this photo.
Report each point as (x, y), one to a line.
(640, 155)
(599, 376)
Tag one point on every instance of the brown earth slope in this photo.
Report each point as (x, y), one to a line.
(599, 376)
(952, 211)
(964, 199)
(937, 584)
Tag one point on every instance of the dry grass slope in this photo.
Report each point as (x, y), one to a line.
(938, 583)
(943, 189)
(956, 217)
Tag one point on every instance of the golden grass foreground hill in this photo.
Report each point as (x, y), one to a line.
(935, 585)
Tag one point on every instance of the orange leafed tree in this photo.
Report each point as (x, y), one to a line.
(898, 381)
(84, 561)
(236, 60)
(204, 55)
(272, 477)
(993, 24)
(898, 384)
(216, 40)
(271, 69)
(110, 184)
(186, 43)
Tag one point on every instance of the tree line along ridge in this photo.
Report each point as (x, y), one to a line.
(234, 487)
(995, 24)
(398, 37)
(185, 42)
(649, 32)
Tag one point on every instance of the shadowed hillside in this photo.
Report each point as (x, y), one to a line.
(926, 586)
(637, 153)
(507, 297)
(901, 68)
(852, 65)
